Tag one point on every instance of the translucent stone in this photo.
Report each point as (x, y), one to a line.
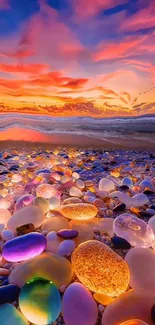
(100, 269)
(103, 299)
(42, 204)
(127, 181)
(72, 200)
(10, 315)
(66, 247)
(78, 306)
(16, 178)
(53, 242)
(151, 223)
(4, 204)
(134, 230)
(40, 301)
(48, 266)
(79, 211)
(46, 190)
(105, 226)
(106, 184)
(29, 214)
(146, 184)
(55, 224)
(24, 247)
(7, 235)
(54, 203)
(134, 322)
(80, 183)
(23, 201)
(75, 191)
(85, 229)
(141, 263)
(130, 305)
(137, 200)
(4, 216)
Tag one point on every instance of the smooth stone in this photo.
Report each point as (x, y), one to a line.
(4, 204)
(134, 322)
(120, 243)
(29, 214)
(119, 207)
(68, 233)
(40, 301)
(7, 235)
(54, 203)
(24, 247)
(23, 201)
(46, 191)
(84, 228)
(141, 263)
(66, 247)
(4, 271)
(79, 211)
(95, 260)
(146, 184)
(127, 181)
(75, 191)
(53, 242)
(80, 184)
(105, 226)
(103, 299)
(72, 200)
(8, 293)
(130, 305)
(49, 266)
(42, 204)
(151, 223)
(10, 315)
(4, 216)
(134, 230)
(137, 200)
(106, 184)
(78, 306)
(55, 224)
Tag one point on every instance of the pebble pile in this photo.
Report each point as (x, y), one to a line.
(77, 237)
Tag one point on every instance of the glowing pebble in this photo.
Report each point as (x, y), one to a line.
(4, 216)
(4, 203)
(137, 232)
(146, 184)
(23, 201)
(46, 191)
(72, 200)
(78, 306)
(139, 200)
(103, 299)
(127, 181)
(55, 224)
(53, 242)
(42, 204)
(130, 305)
(54, 203)
(48, 266)
(40, 301)
(141, 263)
(106, 184)
(24, 247)
(134, 322)
(75, 191)
(79, 211)
(100, 269)
(16, 178)
(26, 215)
(10, 315)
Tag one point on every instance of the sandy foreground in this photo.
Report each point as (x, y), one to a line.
(21, 138)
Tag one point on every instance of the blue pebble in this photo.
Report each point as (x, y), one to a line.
(120, 243)
(8, 293)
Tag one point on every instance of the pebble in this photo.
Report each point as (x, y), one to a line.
(120, 207)
(79, 211)
(66, 247)
(4, 271)
(42, 203)
(10, 315)
(120, 243)
(53, 241)
(8, 293)
(55, 224)
(7, 235)
(67, 233)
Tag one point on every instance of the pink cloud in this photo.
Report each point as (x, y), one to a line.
(4, 5)
(87, 9)
(142, 19)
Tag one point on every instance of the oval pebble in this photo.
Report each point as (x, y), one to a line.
(86, 313)
(7, 235)
(42, 204)
(66, 247)
(79, 211)
(53, 241)
(68, 233)
(47, 265)
(106, 184)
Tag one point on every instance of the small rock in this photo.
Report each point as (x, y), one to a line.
(67, 233)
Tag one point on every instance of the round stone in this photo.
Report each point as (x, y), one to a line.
(29, 214)
(7, 235)
(100, 269)
(103, 299)
(8, 293)
(141, 263)
(4, 204)
(130, 305)
(66, 247)
(53, 241)
(24, 247)
(78, 306)
(134, 230)
(48, 266)
(67, 233)
(46, 190)
(55, 224)
(42, 204)
(75, 191)
(40, 301)
(106, 184)
(10, 315)
(79, 211)
(127, 181)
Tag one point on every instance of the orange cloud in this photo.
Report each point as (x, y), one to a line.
(23, 68)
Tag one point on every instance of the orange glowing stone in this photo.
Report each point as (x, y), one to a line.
(103, 299)
(100, 269)
(134, 322)
(79, 211)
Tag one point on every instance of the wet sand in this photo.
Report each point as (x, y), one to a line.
(22, 138)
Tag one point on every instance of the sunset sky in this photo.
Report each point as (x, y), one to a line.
(77, 57)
